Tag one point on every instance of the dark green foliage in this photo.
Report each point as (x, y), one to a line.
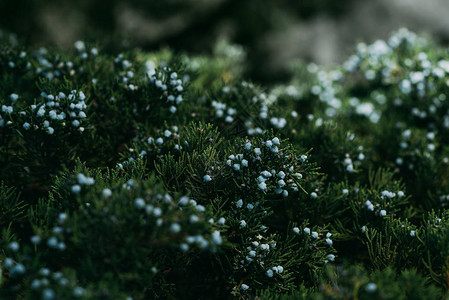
(353, 282)
(153, 175)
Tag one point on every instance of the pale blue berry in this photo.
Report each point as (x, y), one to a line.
(371, 287)
(216, 238)
(13, 97)
(107, 193)
(239, 203)
(139, 203)
(175, 228)
(35, 239)
(48, 294)
(76, 189)
(14, 246)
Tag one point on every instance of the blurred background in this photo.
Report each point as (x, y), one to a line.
(273, 32)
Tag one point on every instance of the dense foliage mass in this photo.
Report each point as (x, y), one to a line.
(158, 176)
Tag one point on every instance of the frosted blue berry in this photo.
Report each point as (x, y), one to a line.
(106, 193)
(17, 270)
(61, 246)
(383, 213)
(244, 287)
(298, 175)
(184, 200)
(175, 228)
(35, 239)
(239, 203)
(268, 144)
(8, 262)
(315, 234)
(52, 242)
(266, 174)
(371, 287)
(216, 238)
(14, 246)
(269, 273)
(264, 247)
(13, 97)
(50, 130)
(44, 272)
(48, 294)
(157, 212)
(76, 189)
(262, 186)
(207, 178)
(184, 247)
(139, 203)
(296, 230)
(78, 291)
(35, 284)
(167, 133)
(200, 208)
(257, 151)
(261, 179)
